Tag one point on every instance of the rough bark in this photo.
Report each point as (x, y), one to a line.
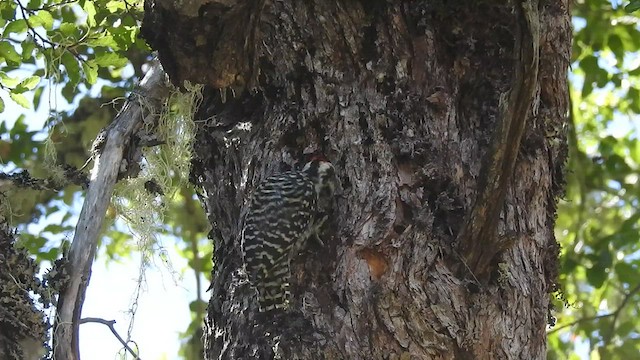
(404, 98)
(23, 323)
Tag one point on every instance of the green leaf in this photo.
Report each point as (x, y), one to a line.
(7, 10)
(27, 49)
(596, 276)
(8, 52)
(37, 96)
(7, 80)
(69, 92)
(629, 349)
(30, 83)
(104, 40)
(625, 328)
(42, 18)
(115, 6)
(50, 255)
(68, 29)
(32, 243)
(589, 64)
(71, 65)
(627, 273)
(90, 71)
(20, 100)
(634, 95)
(54, 228)
(110, 59)
(587, 87)
(615, 44)
(198, 306)
(15, 27)
(1, 105)
(634, 5)
(34, 4)
(90, 9)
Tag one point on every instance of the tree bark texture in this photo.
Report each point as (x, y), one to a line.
(403, 97)
(23, 322)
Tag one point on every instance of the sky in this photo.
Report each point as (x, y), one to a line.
(162, 312)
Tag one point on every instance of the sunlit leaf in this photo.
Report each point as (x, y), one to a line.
(90, 10)
(90, 71)
(20, 99)
(68, 29)
(30, 83)
(105, 40)
(42, 18)
(115, 6)
(7, 80)
(110, 59)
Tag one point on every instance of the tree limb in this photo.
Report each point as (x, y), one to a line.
(103, 178)
(478, 239)
(110, 324)
(23, 179)
(615, 313)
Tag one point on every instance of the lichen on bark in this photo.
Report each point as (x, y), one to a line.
(23, 298)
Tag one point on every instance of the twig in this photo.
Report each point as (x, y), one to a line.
(51, 6)
(110, 324)
(69, 48)
(588, 318)
(103, 178)
(23, 179)
(624, 302)
(34, 33)
(614, 313)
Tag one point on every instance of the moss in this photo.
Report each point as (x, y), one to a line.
(23, 323)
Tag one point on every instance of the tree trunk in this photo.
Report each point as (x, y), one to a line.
(406, 99)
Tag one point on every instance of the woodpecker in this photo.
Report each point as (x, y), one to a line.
(286, 209)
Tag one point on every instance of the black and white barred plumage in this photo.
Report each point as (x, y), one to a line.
(286, 209)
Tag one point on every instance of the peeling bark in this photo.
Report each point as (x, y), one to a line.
(404, 99)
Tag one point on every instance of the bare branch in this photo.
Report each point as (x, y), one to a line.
(110, 324)
(614, 313)
(23, 179)
(103, 178)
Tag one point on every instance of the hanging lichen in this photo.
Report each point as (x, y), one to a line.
(142, 200)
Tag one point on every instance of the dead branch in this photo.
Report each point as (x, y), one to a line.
(103, 178)
(110, 324)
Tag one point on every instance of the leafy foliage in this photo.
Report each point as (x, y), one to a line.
(67, 42)
(82, 55)
(599, 221)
